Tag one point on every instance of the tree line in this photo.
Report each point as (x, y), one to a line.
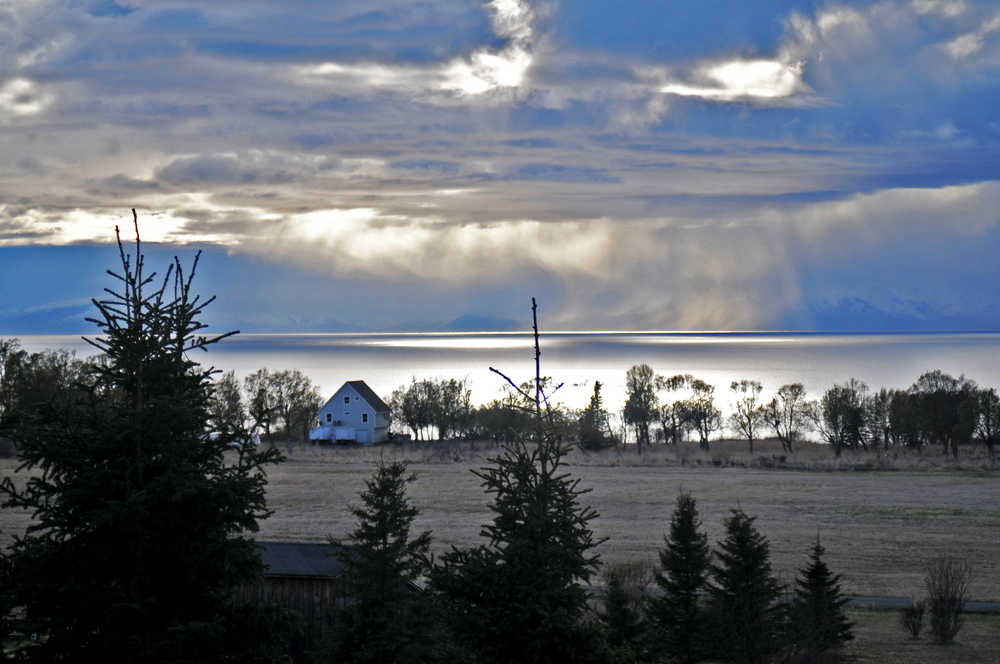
(273, 404)
(936, 410)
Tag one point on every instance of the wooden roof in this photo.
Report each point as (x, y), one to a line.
(368, 394)
(302, 559)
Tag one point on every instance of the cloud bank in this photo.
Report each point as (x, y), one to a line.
(645, 169)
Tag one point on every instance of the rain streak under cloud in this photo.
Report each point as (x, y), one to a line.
(391, 164)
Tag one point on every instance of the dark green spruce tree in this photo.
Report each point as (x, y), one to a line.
(385, 620)
(622, 618)
(142, 525)
(520, 596)
(743, 595)
(678, 617)
(817, 612)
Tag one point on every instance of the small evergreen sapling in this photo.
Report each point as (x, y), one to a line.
(743, 594)
(520, 596)
(818, 617)
(383, 620)
(622, 612)
(677, 614)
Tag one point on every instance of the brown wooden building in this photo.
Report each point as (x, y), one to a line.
(303, 576)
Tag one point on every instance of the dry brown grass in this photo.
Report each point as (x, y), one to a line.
(880, 640)
(879, 527)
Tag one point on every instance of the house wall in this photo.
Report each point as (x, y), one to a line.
(314, 598)
(351, 410)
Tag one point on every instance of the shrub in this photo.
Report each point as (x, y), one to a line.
(947, 583)
(912, 619)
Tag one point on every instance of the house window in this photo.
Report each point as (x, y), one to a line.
(347, 399)
(329, 418)
(364, 417)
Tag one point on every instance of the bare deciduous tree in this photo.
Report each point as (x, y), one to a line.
(787, 414)
(947, 582)
(748, 412)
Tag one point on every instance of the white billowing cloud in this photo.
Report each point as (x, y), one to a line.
(740, 79)
(512, 19)
(865, 219)
(367, 241)
(660, 272)
(79, 225)
(484, 72)
(948, 8)
(21, 97)
(474, 75)
(971, 43)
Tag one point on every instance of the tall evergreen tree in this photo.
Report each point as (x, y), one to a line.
(817, 610)
(384, 621)
(677, 614)
(519, 597)
(743, 595)
(142, 525)
(593, 422)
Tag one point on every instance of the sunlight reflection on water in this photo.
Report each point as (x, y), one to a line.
(387, 361)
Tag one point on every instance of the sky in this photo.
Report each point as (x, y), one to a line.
(434, 164)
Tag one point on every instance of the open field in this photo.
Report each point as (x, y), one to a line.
(879, 526)
(878, 639)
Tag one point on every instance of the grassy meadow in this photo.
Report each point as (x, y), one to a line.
(881, 518)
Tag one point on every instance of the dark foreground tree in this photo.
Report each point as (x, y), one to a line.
(519, 597)
(385, 620)
(677, 615)
(743, 595)
(621, 613)
(142, 525)
(819, 622)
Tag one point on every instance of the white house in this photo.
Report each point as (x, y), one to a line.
(355, 413)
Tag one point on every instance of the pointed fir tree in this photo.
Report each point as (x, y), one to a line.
(621, 616)
(142, 524)
(593, 428)
(520, 597)
(677, 614)
(817, 610)
(384, 621)
(743, 595)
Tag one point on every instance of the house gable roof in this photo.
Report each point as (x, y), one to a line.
(361, 387)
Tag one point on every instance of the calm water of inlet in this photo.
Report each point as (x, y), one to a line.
(387, 361)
